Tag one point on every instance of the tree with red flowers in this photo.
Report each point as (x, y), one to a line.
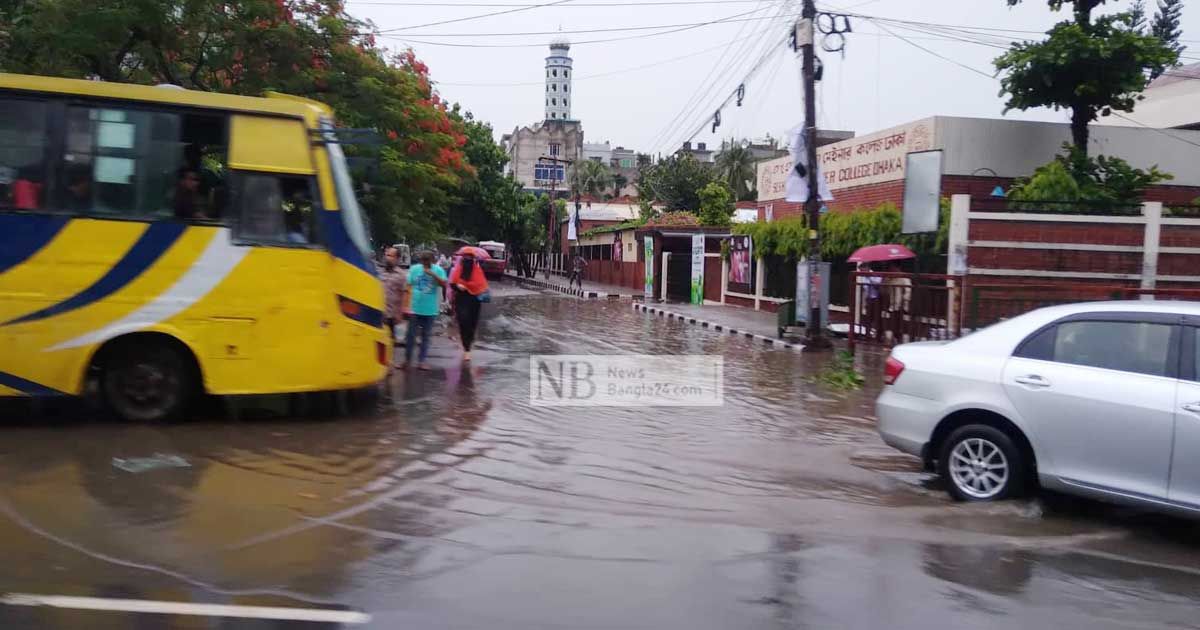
(309, 48)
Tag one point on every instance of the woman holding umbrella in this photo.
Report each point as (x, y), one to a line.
(470, 292)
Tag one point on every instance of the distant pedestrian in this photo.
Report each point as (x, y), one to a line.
(395, 289)
(425, 282)
(578, 265)
(470, 291)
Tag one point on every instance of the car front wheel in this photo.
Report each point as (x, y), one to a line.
(981, 463)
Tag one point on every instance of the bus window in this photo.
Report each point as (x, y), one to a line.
(276, 209)
(134, 163)
(22, 154)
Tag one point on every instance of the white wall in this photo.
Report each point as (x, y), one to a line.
(1014, 148)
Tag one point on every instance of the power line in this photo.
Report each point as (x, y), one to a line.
(1155, 129)
(574, 5)
(1117, 114)
(730, 57)
(749, 75)
(579, 43)
(968, 29)
(615, 29)
(480, 17)
(578, 78)
(938, 55)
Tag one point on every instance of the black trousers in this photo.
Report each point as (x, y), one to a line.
(466, 312)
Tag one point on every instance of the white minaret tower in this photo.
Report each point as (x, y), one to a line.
(558, 81)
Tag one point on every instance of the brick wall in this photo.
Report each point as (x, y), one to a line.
(871, 195)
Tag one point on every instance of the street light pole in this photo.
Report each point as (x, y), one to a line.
(552, 219)
(815, 337)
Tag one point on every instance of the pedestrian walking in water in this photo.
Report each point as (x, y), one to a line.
(470, 291)
(578, 265)
(425, 281)
(395, 289)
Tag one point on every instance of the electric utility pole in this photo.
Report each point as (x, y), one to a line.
(815, 336)
(552, 223)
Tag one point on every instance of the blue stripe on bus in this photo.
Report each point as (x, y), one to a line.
(152, 244)
(360, 312)
(23, 235)
(26, 386)
(339, 243)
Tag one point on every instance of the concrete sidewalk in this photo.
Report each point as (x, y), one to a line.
(735, 320)
(590, 290)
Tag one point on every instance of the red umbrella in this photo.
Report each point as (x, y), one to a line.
(470, 250)
(877, 253)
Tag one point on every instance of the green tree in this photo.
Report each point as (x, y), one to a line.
(716, 205)
(619, 181)
(1166, 28)
(674, 182)
(1074, 176)
(308, 48)
(1090, 67)
(1137, 16)
(590, 177)
(478, 202)
(735, 167)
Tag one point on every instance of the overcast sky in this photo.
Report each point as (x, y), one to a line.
(642, 100)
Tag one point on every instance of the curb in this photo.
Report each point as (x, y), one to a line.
(778, 343)
(587, 295)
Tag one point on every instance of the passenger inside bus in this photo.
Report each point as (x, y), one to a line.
(188, 201)
(79, 189)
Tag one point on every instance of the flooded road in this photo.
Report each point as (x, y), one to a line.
(451, 502)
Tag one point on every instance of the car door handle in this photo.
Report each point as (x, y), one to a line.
(1032, 380)
(1192, 407)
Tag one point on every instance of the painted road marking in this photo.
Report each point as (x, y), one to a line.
(185, 608)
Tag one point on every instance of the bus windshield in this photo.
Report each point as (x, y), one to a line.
(352, 216)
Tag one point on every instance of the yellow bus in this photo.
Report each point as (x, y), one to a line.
(162, 242)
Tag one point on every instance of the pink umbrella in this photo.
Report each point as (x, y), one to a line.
(877, 253)
(470, 250)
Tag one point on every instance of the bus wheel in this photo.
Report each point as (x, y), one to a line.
(147, 382)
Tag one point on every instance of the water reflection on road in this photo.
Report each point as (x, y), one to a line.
(453, 503)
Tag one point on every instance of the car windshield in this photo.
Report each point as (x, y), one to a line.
(352, 216)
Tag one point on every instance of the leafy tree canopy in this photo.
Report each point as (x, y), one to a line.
(1090, 67)
(716, 205)
(308, 48)
(674, 181)
(1073, 176)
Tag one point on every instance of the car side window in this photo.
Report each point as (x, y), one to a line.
(1138, 347)
(1038, 346)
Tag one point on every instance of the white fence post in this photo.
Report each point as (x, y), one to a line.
(724, 277)
(959, 235)
(1151, 238)
(760, 276)
(666, 256)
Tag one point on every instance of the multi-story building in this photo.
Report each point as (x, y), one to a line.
(540, 155)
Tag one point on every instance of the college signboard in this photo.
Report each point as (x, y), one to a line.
(870, 159)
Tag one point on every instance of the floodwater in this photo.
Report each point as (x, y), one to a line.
(451, 502)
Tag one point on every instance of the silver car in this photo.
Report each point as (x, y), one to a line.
(1098, 399)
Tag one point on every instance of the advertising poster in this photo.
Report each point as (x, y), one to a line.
(697, 269)
(741, 271)
(649, 251)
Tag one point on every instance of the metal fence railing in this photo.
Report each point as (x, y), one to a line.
(890, 308)
(1101, 208)
(987, 304)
